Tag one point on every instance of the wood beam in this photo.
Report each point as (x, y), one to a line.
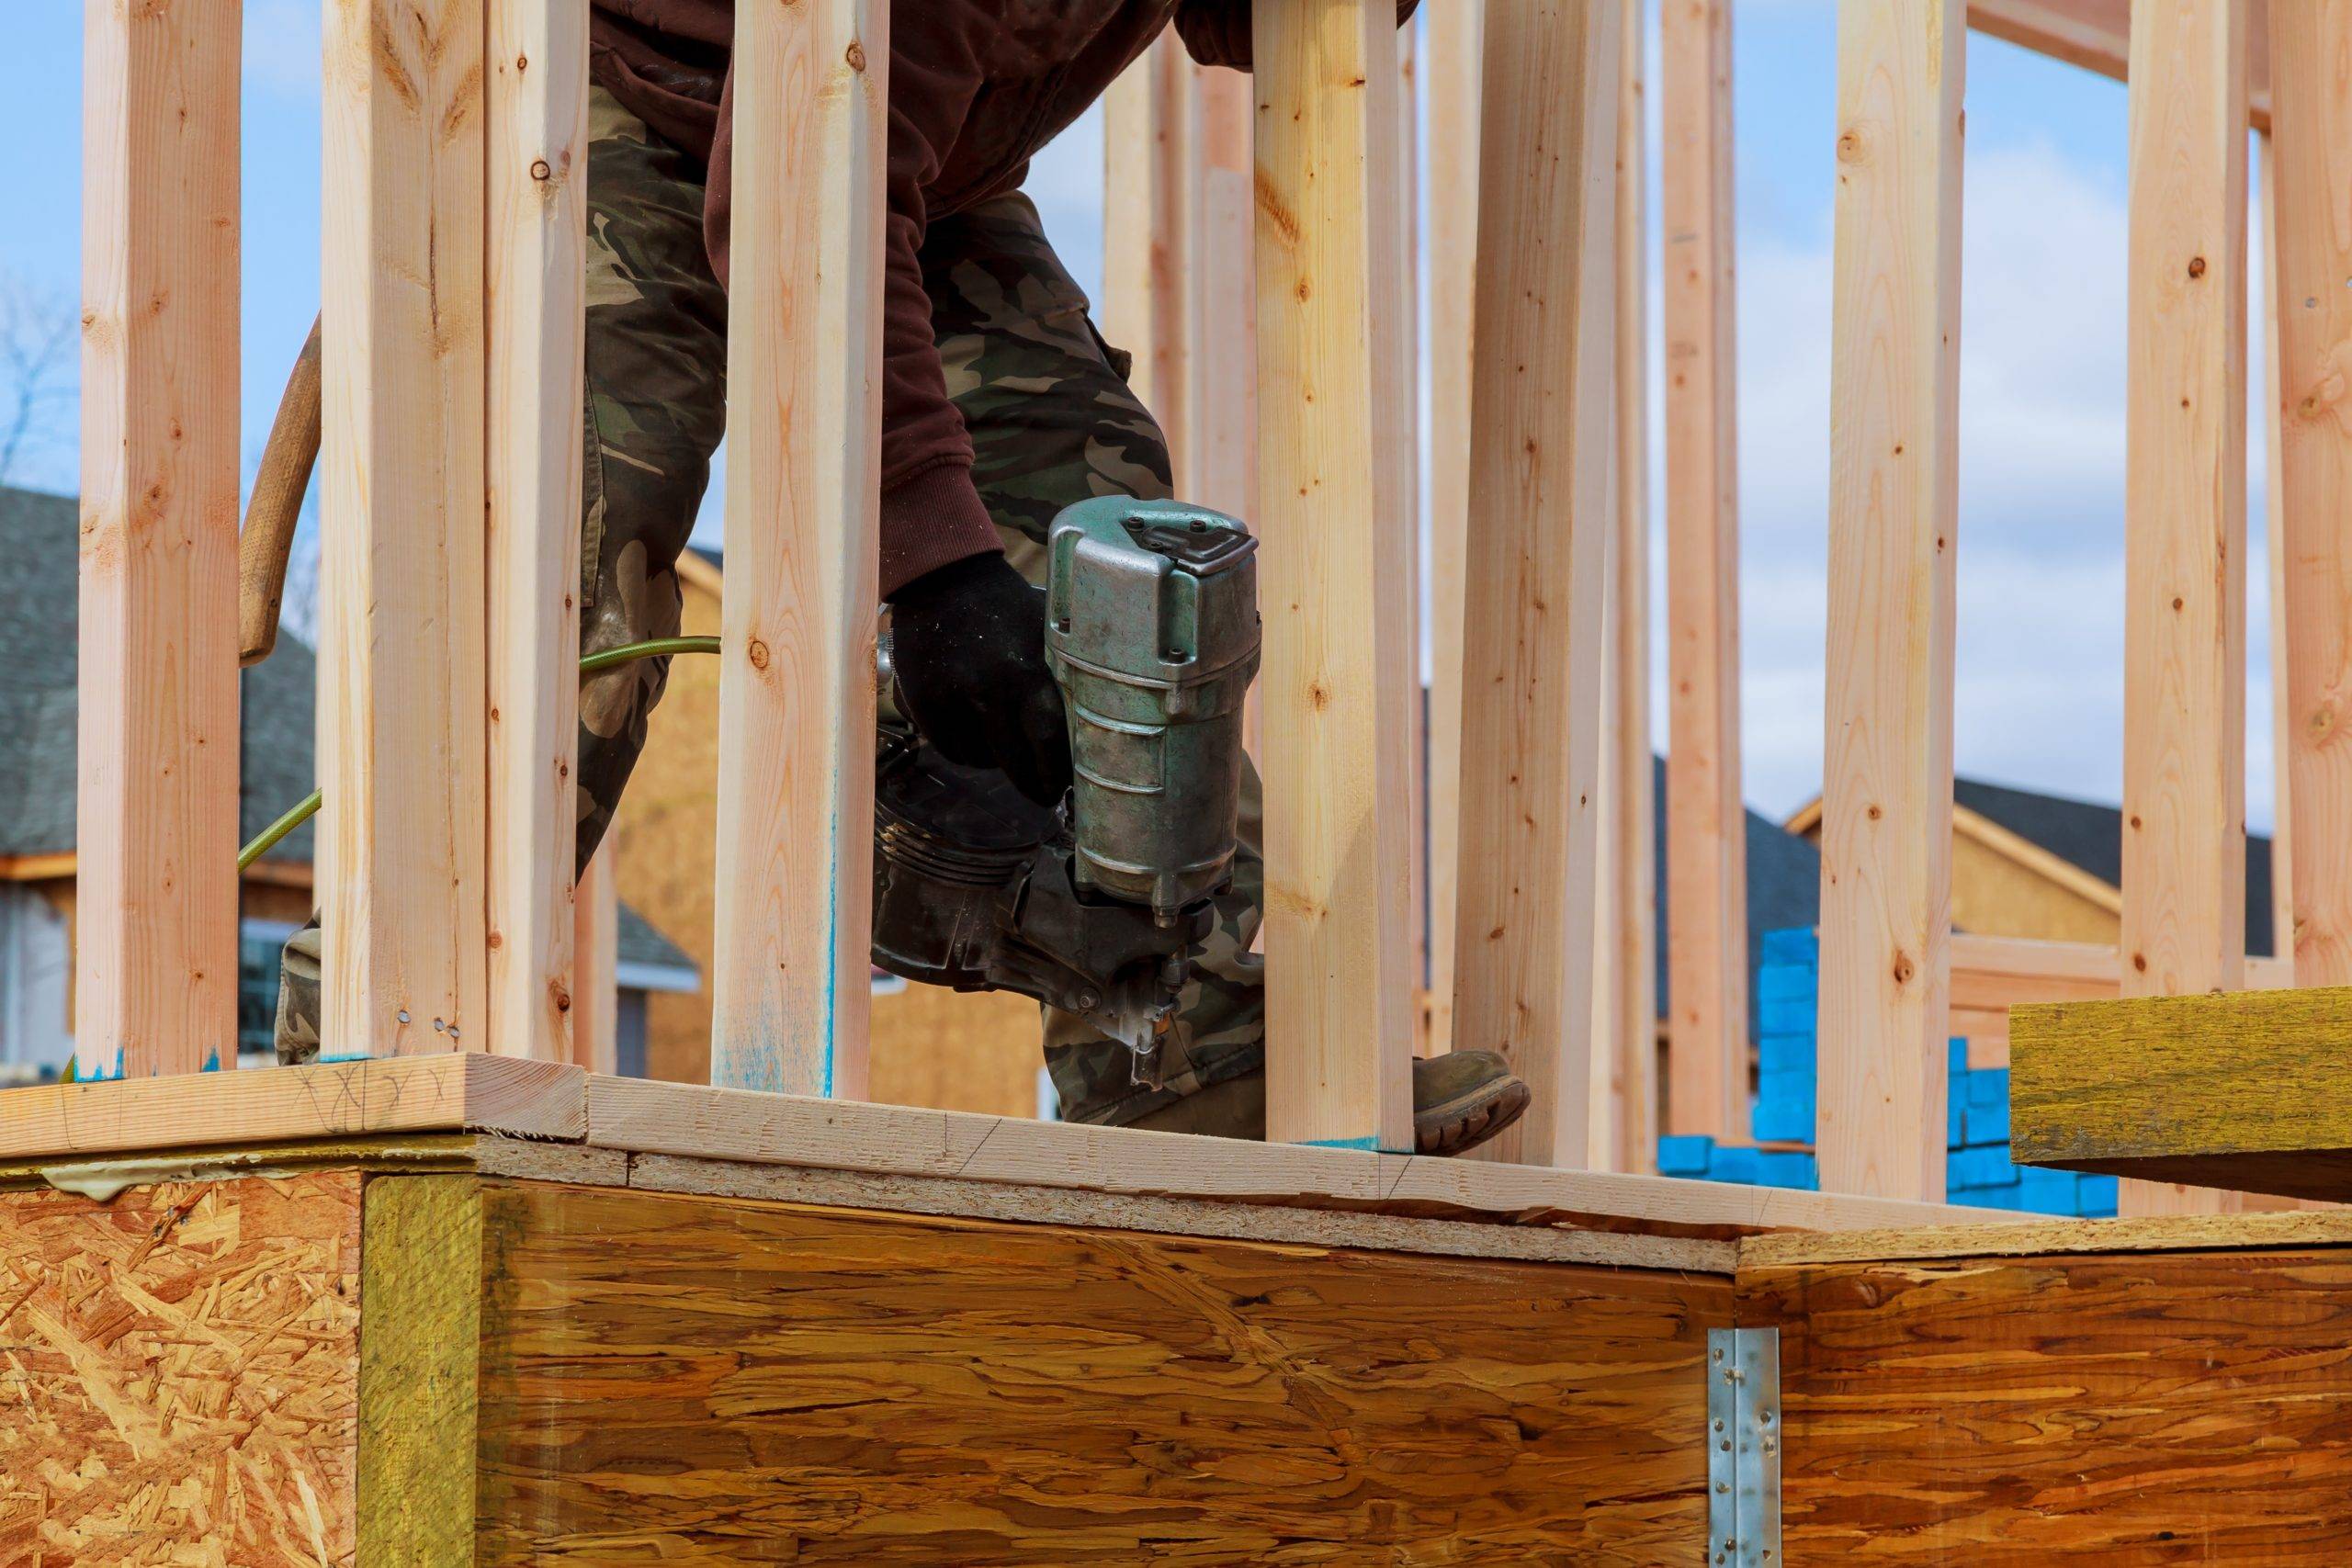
(537, 174)
(2244, 1091)
(596, 995)
(2310, 420)
(2184, 718)
(2095, 35)
(1147, 174)
(796, 695)
(401, 716)
(1706, 823)
(1451, 67)
(1540, 456)
(1631, 825)
(1893, 503)
(1337, 684)
(1223, 317)
(155, 967)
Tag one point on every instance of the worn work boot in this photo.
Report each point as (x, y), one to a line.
(1460, 1100)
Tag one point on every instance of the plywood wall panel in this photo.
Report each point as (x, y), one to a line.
(2158, 1408)
(179, 1370)
(845, 1387)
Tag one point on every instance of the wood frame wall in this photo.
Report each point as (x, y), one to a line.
(453, 147)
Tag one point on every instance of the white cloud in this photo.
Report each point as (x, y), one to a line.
(2038, 679)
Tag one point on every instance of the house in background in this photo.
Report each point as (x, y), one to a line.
(2045, 866)
(40, 540)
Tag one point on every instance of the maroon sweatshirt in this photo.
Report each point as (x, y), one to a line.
(976, 87)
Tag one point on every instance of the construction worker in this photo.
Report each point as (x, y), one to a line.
(1001, 405)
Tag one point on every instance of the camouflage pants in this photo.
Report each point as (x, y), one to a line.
(1052, 422)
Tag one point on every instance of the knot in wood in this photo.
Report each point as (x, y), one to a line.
(857, 55)
(541, 171)
(758, 653)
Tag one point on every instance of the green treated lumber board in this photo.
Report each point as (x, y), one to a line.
(420, 1345)
(2251, 1090)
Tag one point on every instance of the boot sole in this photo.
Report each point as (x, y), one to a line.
(1463, 1123)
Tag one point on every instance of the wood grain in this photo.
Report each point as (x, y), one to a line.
(676, 1118)
(334, 1100)
(2247, 1090)
(2184, 698)
(2095, 35)
(155, 963)
(1706, 845)
(804, 412)
(1337, 687)
(596, 955)
(1221, 362)
(536, 151)
(1630, 826)
(1149, 146)
(856, 1388)
(1542, 404)
(1450, 66)
(2139, 1409)
(402, 718)
(179, 1366)
(1893, 515)
(419, 1369)
(2311, 166)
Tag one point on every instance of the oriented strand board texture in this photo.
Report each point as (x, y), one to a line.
(699, 1380)
(178, 1372)
(2117, 1409)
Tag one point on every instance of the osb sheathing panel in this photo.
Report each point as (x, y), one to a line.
(705, 1380)
(2008, 1413)
(178, 1374)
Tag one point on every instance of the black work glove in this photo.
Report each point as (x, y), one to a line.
(967, 641)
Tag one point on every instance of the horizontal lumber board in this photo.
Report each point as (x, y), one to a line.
(2095, 35)
(2051, 1237)
(684, 1119)
(450, 1092)
(2250, 1090)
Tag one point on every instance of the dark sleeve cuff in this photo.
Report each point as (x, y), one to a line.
(931, 519)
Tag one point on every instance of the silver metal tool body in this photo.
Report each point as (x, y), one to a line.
(1096, 907)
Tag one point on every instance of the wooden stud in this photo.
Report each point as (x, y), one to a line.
(1222, 318)
(1706, 823)
(1333, 576)
(1407, 457)
(1540, 459)
(1893, 506)
(2095, 35)
(2311, 423)
(1145, 260)
(155, 928)
(537, 169)
(2184, 716)
(596, 995)
(402, 719)
(1450, 64)
(795, 700)
(1631, 820)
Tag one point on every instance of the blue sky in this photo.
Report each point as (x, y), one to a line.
(2039, 684)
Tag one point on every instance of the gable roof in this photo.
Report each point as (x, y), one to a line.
(39, 624)
(40, 621)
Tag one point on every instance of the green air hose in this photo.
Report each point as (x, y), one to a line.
(308, 808)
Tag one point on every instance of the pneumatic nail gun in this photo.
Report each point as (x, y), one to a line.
(1095, 906)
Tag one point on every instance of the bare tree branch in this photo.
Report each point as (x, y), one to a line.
(38, 372)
